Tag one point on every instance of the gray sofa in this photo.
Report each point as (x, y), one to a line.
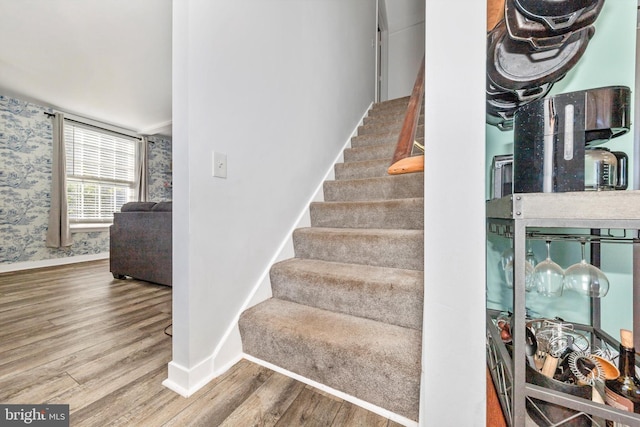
(140, 242)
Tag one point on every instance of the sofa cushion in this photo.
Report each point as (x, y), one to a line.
(137, 206)
(162, 207)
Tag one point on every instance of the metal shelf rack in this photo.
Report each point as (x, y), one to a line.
(518, 213)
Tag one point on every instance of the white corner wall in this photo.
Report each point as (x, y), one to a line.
(277, 86)
(453, 363)
(405, 50)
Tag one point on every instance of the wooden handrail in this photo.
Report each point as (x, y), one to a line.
(410, 125)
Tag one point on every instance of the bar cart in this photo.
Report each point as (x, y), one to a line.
(585, 210)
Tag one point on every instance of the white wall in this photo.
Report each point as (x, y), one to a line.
(278, 87)
(405, 48)
(453, 363)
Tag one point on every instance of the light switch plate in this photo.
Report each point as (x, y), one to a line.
(219, 165)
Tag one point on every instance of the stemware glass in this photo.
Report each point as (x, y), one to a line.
(528, 275)
(586, 279)
(530, 257)
(507, 265)
(506, 262)
(506, 257)
(548, 277)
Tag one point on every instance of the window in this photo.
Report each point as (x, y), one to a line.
(100, 172)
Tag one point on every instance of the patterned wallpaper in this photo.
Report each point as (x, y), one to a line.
(159, 165)
(25, 184)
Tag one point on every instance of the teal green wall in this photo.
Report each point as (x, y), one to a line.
(609, 60)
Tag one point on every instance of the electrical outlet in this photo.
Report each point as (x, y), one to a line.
(219, 165)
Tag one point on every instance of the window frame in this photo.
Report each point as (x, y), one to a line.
(103, 137)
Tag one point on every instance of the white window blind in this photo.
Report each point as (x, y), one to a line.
(100, 172)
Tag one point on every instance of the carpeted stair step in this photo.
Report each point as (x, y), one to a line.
(373, 361)
(379, 139)
(347, 311)
(371, 152)
(363, 169)
(398, 111)
(374, 139)
(389, 295)
(376, 247)
(399, 213)
(391, 103)
(387, 187)
(388, 119)
(385, 127)
(392, 110)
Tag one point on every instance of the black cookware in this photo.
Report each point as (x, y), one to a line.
(555, 14)
(516, 65)
(502, 104)
(541, 36)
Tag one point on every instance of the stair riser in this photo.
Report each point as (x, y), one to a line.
(385, 188)
(388, 376)
(360, 170)
(398, 107)
(374, 130)
(388, 120)
(396, 250)
(407, 214)
(398, 110)
(383, 119)
(373, 152)
(394, 297)
(374, 139)
(321, 367)
(379, 128)
(404, 101)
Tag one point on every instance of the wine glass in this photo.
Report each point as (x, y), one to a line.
(506, 257)
(586, 279)
(548, 277)
(506, 262)
(528, 275)
(507, 265)
(530, 257)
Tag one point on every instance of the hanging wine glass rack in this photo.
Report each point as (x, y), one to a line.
(608, 235)
(594, 217)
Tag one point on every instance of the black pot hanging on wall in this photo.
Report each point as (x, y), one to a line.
(516, 66)
(518, 74)
(554, 14)
(541, 36)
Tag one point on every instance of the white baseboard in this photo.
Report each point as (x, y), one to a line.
(53, 262)
(186, 381)
(339, 394)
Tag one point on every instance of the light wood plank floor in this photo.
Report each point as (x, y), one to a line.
(74, 335)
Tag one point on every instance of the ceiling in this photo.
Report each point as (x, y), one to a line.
(108, 61)
(104, 60)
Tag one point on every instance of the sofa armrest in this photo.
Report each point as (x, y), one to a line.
(141, 245)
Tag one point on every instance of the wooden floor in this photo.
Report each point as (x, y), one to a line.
(74, 335)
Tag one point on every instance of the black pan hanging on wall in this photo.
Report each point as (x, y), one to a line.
(531, 49)
(516, 66)
(554, 14)
(539, 33)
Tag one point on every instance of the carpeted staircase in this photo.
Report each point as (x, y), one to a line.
(347, 310)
